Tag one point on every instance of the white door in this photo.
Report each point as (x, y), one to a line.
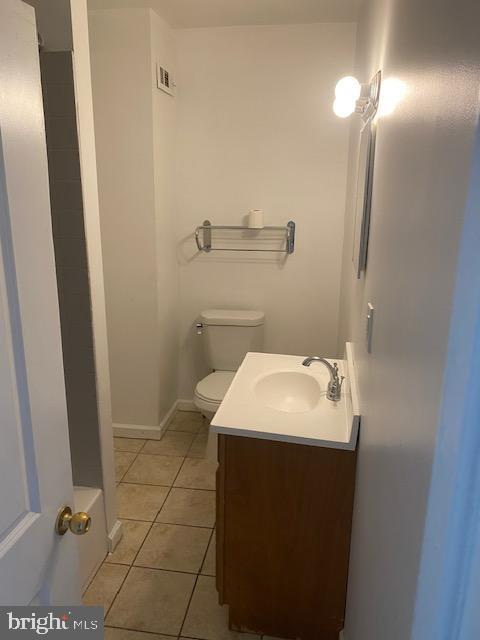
(36, 565)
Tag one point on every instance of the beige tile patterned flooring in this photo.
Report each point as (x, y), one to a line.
(159, 583)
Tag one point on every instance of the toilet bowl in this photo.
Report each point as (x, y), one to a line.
(227, 336)
(211, 390)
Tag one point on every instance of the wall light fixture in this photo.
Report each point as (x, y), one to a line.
(353, 97)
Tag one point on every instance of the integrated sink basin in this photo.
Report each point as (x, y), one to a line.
(275, 397)
(288, 391)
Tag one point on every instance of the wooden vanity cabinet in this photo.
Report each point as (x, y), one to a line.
(284, 515)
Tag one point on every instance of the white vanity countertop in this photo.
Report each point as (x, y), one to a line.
(244, 411)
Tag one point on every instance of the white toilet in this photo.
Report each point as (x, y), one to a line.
(227, 335)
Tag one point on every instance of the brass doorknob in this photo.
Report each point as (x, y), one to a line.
(78, 523)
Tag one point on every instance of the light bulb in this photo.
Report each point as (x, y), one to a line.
(348, 88)
(343, 107)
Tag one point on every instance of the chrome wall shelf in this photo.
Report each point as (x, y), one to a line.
(203, 237)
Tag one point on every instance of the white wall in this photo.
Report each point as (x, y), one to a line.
(449, 582)
(421, 175)
(163, 51)
(140, 273)
(256, 130)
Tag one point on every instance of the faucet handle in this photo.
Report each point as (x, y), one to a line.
(335, 387)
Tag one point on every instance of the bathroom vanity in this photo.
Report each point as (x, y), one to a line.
(285, 488)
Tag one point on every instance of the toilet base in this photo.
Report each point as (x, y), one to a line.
(208, 415)
(212, 442)
(206, 408)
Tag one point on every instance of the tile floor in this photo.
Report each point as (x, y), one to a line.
(159, 583)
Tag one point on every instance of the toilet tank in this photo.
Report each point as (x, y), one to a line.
(228, 335)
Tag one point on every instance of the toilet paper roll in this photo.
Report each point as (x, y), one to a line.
(255, 219)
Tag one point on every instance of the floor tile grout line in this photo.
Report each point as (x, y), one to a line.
(141, 546)
(189, 573)
(153, 633)
(145, 566)
(105, 560)
(178, 472)
(194, 587)
(135, 557)
(151, 524)
(194, 488)
(196, 436)
(143, 446)
(178, 524)
(165, 455)
(115, 450)
(94, 576)
(174, 487)
(241, 633)
(155, 521)
(167, 486)
(130, 567)
(149, 484)
(159, 455)
(129, 564)
(206, 552)
(188, 605)
(181, 524)
(191, 444)
(153, 484)
(193, 436)
(129, 466)
(117, 592)
(194, 433)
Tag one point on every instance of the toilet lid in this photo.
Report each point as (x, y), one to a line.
(215, 386)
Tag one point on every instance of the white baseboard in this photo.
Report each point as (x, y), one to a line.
(115, 535)
(186, 405)
(152, 432)
(168, 417)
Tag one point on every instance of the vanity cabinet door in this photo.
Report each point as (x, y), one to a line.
(284, 522)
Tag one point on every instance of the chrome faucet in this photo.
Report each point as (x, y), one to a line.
(334, 388)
